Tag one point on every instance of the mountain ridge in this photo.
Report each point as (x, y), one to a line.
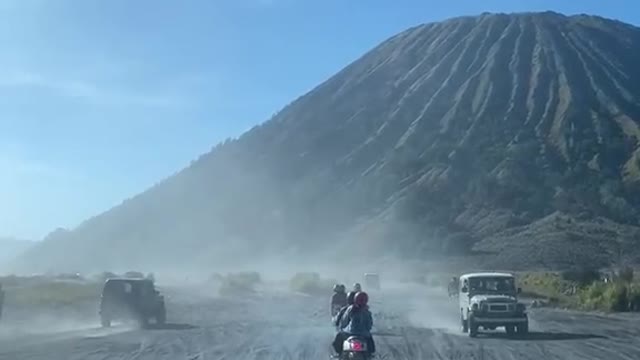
(11, 248)
(444, 136)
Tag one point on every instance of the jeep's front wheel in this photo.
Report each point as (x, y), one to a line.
(143, 321)
(523, 328)
(510, 329)
(465, 324)
(161, 317)
(105, 321)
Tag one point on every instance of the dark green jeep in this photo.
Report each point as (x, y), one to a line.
(131, 299)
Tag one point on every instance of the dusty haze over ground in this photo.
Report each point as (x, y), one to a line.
(410, 322)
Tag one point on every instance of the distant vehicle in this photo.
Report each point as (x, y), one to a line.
(489, 300)
(131, 299)
(372, 281)
(108, 275)
(69, 276)
(134, 275)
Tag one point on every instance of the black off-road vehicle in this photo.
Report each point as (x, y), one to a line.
(131, 299)
(134, 275)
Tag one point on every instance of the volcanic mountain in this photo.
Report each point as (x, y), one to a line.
(513, 135)
(11, 248)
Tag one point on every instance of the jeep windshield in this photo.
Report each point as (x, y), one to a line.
(492, 285)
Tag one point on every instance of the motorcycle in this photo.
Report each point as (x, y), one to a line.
(355, 348)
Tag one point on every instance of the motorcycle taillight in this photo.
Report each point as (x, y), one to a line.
(356, 345)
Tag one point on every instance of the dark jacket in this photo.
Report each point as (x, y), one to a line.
(338, 299)
(338, 318)
(357, 321)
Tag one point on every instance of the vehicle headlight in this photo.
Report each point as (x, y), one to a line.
(474, 307)
(521, 308)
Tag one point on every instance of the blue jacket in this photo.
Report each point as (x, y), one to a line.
(357, 321)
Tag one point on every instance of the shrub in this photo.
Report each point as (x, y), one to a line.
(242, 283)
(53, 294)
(606, 297)
(619, 295)
(250, 277)
(582, 276)
(12, 280)
(626, 274)
(543, 284)
(616, 298)
(216, 277)
(310, 283)
(634, 298)
(592, 297)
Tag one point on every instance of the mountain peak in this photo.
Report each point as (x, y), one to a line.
(438, 140)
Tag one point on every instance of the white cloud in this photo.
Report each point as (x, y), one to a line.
(90, 92)
(21, 78)
(15, 166)
(36, 195)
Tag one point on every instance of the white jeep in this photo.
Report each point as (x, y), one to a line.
(372, 281)
(489, 300)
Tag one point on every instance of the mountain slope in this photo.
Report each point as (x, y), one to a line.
(441, 139)
(10, 248)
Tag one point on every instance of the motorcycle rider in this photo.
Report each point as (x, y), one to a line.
(338, 299)
(357, 287)
(350, 297)
(356, 321)
(453, 286)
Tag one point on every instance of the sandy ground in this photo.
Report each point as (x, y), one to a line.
(410, 323)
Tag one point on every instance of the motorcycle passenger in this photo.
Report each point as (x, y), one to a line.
(338, 299)
(350, 297)
(356, 321)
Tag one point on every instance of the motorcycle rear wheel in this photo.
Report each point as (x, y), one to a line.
(355, 356)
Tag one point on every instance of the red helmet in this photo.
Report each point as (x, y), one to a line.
(361, 299)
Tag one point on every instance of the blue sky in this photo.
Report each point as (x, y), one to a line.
(101, 99)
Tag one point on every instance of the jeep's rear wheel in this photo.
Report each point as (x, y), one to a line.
(143, 321)
(105, 321)
(161, 317)
(523, 328)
